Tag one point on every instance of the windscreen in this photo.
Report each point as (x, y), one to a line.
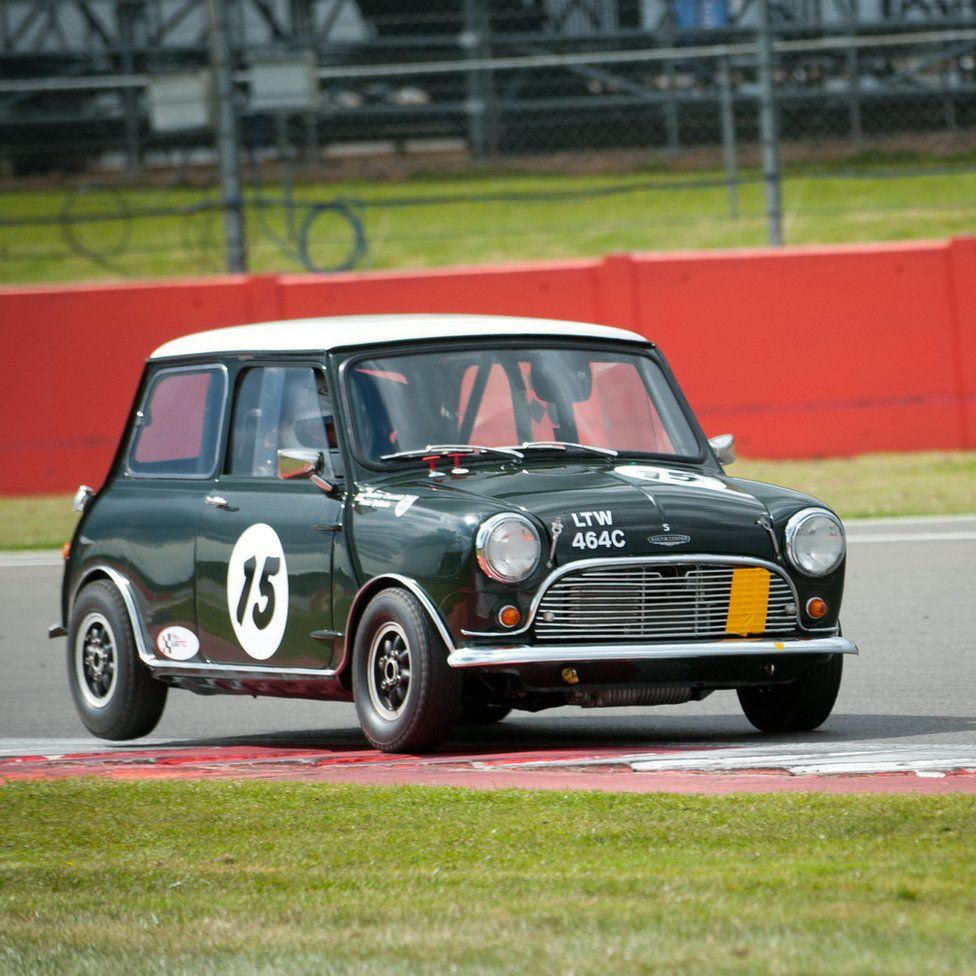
(502, 397)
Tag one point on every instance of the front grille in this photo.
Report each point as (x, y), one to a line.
(652, 602)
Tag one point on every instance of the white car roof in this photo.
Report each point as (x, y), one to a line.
(340, 332)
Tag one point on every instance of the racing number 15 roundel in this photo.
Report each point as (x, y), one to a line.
(257, 591)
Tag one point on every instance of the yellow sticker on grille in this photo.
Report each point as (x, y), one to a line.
(748, 602)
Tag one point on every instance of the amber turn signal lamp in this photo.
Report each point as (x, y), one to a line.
(509, 616)
(816, 608)
(65, 551)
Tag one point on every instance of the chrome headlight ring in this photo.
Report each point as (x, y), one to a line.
(815, 542)
(508, 547)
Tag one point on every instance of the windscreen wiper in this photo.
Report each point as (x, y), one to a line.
(447, 450)
(566, 446)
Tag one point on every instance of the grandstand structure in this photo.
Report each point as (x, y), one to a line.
(127, 83)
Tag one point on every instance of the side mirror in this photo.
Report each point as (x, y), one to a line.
(298, 463)
(82, 497)
(724, 447)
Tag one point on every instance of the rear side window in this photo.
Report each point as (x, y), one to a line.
(178, 426)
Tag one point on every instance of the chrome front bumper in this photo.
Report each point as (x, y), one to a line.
(498, 657)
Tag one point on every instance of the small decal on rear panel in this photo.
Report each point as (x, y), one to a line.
(177, 643)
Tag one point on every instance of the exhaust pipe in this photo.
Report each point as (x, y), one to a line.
(629, 696)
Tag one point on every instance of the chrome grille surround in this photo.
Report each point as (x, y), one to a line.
(653, 600)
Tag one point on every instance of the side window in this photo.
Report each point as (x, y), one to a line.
(279, 408)
(178, 426)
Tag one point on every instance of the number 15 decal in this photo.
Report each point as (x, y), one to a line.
(257, 591)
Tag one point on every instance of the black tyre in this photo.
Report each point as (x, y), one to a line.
(407, 697)
(116, 696)
(482, 713)
(799, 706)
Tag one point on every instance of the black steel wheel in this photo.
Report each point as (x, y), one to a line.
(116, 696)
(799, 706)
(407, 697)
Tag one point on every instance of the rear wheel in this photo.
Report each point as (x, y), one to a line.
(407, 696)
(799, 706)
(116, 696)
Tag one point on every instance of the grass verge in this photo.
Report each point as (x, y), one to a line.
(473, 218)
(233, 878)
(928, 483)
(36, 521)
(875, 485)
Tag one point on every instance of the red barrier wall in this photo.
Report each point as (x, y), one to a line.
(802, 352)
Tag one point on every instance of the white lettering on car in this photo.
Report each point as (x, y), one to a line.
(607, 539)
(585, 519)
(376, 499)
(257, 591)
(592, 539)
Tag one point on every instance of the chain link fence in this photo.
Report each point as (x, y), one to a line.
(142, 137)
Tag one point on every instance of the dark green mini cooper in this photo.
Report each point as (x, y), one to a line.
(441, 518)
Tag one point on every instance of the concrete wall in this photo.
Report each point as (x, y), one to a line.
(801, 352)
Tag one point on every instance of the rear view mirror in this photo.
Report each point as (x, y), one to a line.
(562, 378)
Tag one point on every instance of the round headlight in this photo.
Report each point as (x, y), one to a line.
(815, 541)
(508, 548)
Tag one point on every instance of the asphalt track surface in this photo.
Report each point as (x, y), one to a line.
(905, 718)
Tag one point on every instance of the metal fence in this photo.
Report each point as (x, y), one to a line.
(236, 127)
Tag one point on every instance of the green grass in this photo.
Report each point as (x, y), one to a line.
(36, 522)
(873, 485)
(928, 483)
(666, 214)
(231, 878)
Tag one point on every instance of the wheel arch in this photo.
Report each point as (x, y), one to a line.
(124, 586)
(362, 599)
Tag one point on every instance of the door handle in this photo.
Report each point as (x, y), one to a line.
(216, 501)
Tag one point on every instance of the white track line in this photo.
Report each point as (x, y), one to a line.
(909, 519)
(18, 560)
(56, 748)
(915, 537)
(879, 759)
(808, 759)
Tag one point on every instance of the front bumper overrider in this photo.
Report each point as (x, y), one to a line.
(523, 654)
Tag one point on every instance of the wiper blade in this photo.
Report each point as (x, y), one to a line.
(565, 446)
(446, 450)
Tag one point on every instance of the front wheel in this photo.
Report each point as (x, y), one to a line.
(799, 706)
(407, 696)
(116, 696)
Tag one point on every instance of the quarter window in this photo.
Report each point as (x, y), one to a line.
(178, 425)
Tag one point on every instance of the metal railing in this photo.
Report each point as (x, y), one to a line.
(494, 80)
